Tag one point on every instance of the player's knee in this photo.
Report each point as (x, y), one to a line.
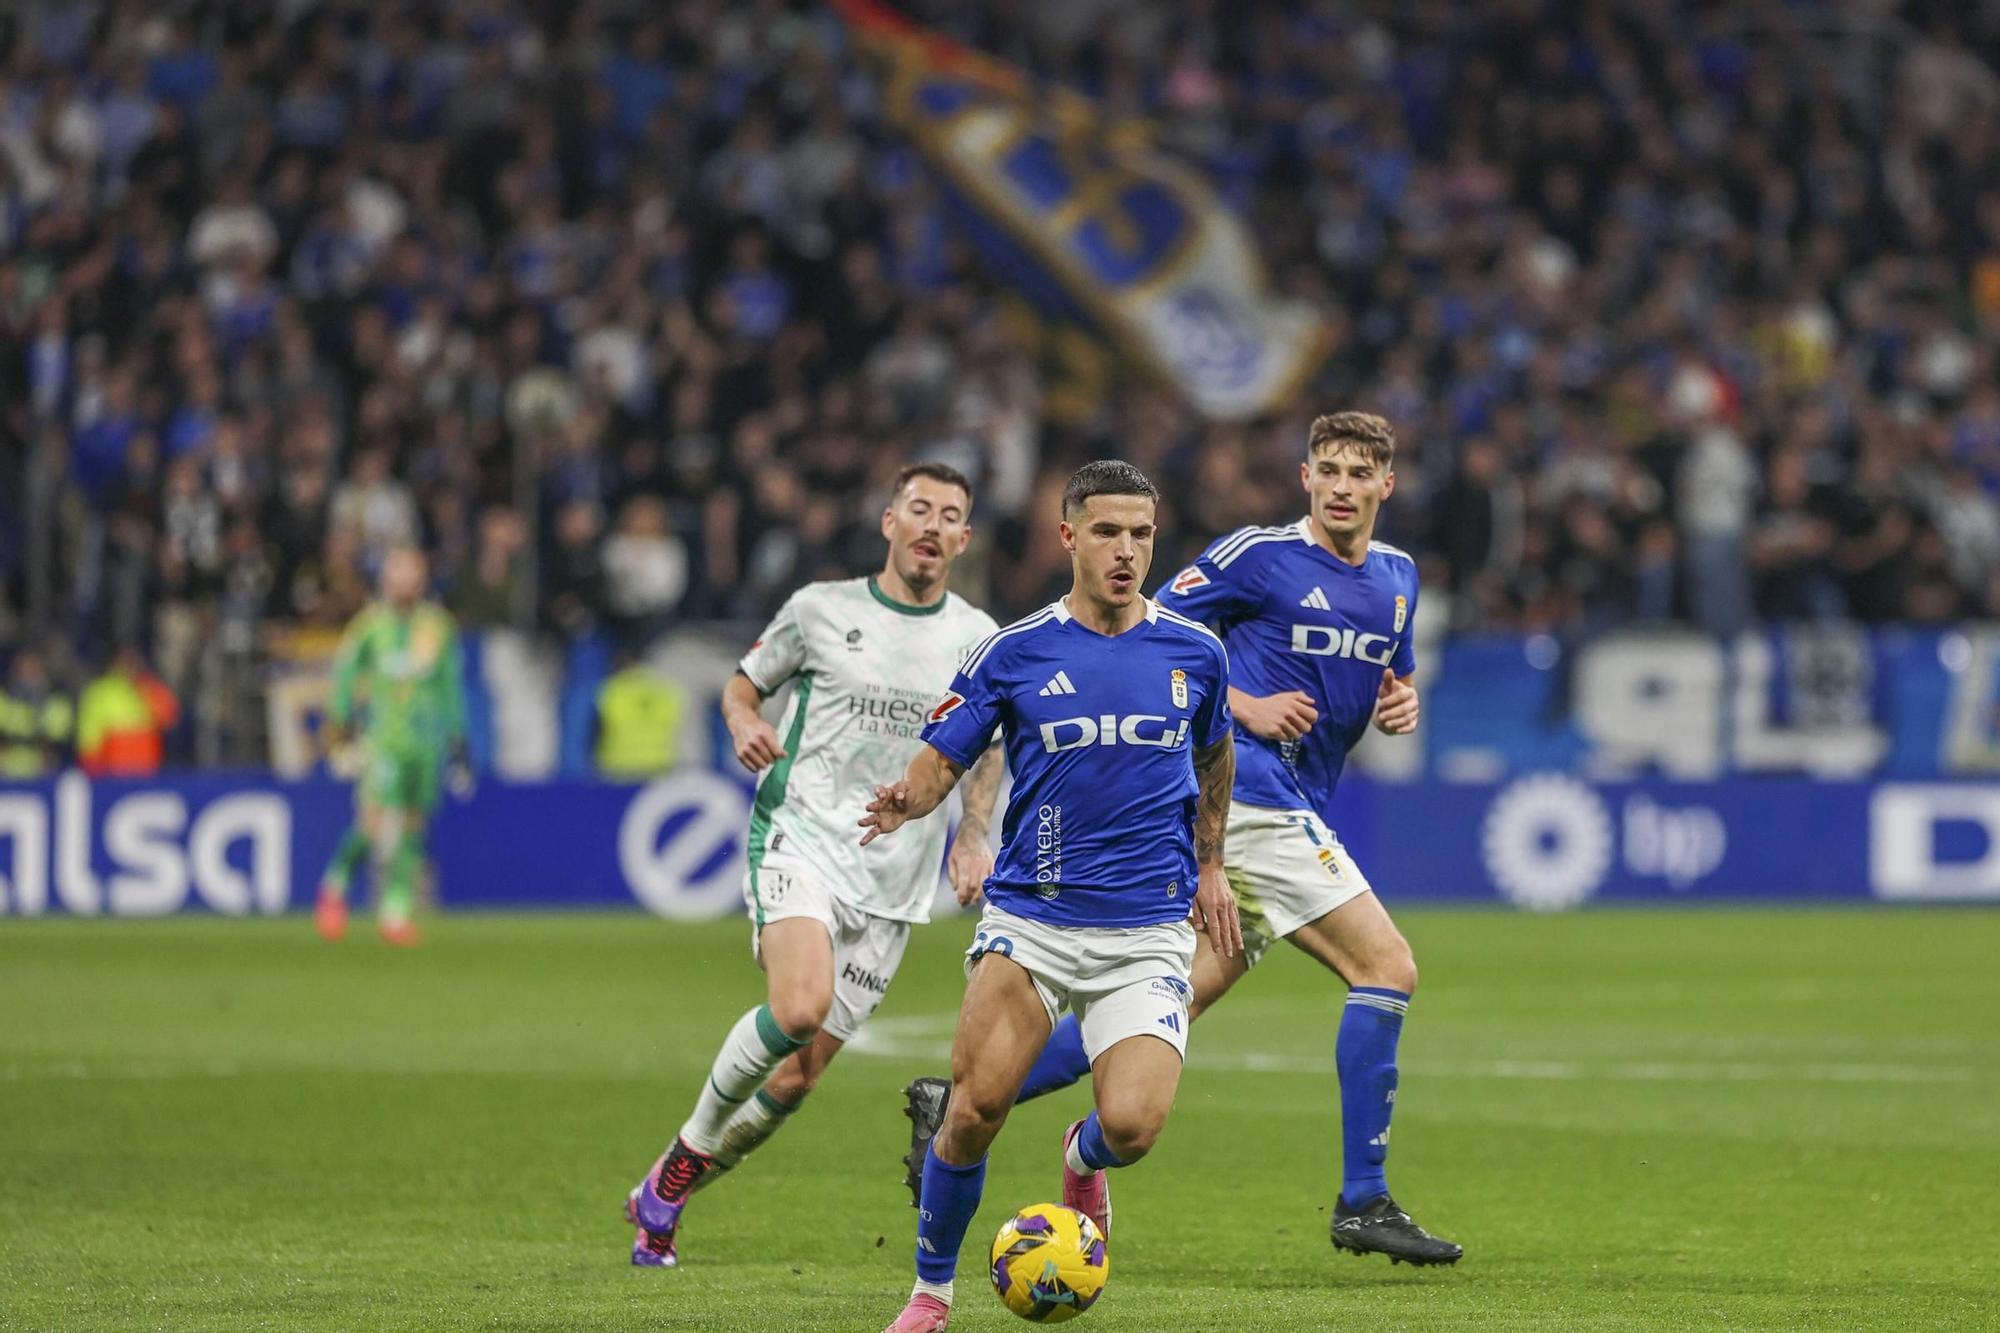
(801, 1013)
(1402, 970)
(973, 1119)
(1391, 966)
(1130, 1134)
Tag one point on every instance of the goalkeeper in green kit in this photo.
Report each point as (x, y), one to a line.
(401, 657)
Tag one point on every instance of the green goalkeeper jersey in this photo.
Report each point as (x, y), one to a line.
(407, 669)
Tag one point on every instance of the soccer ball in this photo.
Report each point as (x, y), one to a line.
(1049, 1263)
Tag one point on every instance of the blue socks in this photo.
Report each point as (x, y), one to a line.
(1366, 1057)
(1089, 1146)
(1061, 1063)
(950, 1198)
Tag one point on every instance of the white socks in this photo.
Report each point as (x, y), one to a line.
(754, 1047)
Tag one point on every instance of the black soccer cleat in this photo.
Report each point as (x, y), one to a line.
(1380, 1227)
(925, 1100)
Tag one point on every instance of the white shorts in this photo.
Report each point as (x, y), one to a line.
(1121, 983)
(1288, 870)
(866, 948)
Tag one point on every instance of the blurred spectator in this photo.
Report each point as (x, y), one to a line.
(1670, 323)
(36, 720)
(645, 571)
(122, 719)
(639, 719)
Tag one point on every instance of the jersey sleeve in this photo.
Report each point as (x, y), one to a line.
(1218, 587)
(962, 724)
(1213, 720)
(780, 651)
(1404, 663)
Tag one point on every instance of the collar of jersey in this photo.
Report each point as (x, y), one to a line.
(1304, 527)
(1061, 607)
(903, 608)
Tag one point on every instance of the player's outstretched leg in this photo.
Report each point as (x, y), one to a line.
(1359, 941)
(1061, 1063)
(1002, 1024)
(1135, 1081)
(798, 956)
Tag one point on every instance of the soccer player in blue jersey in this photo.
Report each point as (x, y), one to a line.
(1318, 617)
(1115, 716)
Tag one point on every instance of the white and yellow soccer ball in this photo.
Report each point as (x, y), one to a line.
(1049, 1263)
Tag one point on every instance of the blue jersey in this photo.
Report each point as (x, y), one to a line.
(1100, 734)
(1297, 617)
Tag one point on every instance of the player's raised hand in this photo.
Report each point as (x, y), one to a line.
(971, 861)
(1395, 705)
(757, 744)
(1278, 717)
(889, 811)
(1215, 912)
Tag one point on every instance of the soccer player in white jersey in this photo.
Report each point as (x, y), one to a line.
(1319, 618)
(829, 918)
(1115, 714)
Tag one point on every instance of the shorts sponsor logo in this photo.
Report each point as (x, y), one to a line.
(1172, 988)
(862, 977)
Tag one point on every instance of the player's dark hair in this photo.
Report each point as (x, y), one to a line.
(943, 472)
(1364, 432)
(1107, 476)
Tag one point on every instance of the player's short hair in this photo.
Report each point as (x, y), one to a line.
(943, 472)
(1106, 476)
(1363, 432)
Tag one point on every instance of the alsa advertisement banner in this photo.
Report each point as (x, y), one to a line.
(1543, 841)
(1089, 220)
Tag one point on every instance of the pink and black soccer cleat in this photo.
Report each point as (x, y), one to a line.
(330, 914)
(654, 1205)
(924, 1314)
(650, 1249)
(1089, 1195)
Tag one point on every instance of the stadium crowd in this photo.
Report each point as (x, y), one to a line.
(627, 311)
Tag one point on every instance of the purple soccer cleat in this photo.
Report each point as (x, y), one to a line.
(654, 1205)
(650, 1249)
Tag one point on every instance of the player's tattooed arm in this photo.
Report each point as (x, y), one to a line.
(1215, 769)
(922, 789)
(1214, 904)
(971, 858)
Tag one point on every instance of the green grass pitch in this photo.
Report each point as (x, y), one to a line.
(1672, 1119)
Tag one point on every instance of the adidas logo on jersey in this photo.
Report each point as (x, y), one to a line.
(1058, 684)
(1316, 599)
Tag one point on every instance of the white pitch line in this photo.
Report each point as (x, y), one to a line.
(915, 1039)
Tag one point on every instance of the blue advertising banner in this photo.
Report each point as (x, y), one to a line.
(1544, 841)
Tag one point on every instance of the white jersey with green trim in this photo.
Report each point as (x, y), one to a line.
(869, 669)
